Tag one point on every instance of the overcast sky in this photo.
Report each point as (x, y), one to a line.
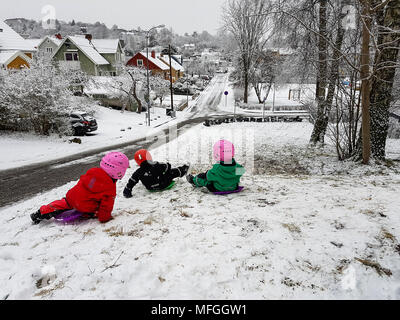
(182, 15)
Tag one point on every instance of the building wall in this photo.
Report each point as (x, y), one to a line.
(18, 63)
(138, 56)
(111, 58)
(47, 44)
(86, 64)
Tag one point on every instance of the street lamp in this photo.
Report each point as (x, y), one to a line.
(148, 76)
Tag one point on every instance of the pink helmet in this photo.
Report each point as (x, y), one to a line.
(115, 164)
(224, 151)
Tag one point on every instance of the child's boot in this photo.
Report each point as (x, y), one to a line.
(184, 170)
(37, 217)
(190, 179)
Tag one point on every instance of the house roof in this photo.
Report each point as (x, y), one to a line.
(156, 61)
(55, 40)
(34, 43)
(174, 63)
(88, 49)
(102, 85)
(106, 46)
(11, 40)
(6, 57)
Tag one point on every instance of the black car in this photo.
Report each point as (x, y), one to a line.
(82, 123)
(182, 91)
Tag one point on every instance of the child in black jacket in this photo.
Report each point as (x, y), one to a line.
(155, 176)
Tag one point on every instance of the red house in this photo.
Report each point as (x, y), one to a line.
(156, 66)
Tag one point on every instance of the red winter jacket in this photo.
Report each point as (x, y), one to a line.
(94, 193)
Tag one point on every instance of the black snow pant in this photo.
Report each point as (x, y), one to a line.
(169, 176)
(174, 173)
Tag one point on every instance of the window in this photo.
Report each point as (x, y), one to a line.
(71, 56)
(140, 63)
(49, 50)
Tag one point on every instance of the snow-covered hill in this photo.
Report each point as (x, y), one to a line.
(305, 227)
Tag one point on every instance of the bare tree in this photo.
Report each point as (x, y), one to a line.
(264, 72)
(244, 20)
(161, 87)
(372, 57)
(130, 83)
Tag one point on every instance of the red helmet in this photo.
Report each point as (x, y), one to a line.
(142, 155)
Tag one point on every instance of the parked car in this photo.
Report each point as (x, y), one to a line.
(182, 91)
(82, 123)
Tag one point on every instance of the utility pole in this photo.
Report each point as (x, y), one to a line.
(187, 90)
(148, 78)
(170, 81)
(147, 69)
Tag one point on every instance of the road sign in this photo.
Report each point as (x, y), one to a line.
(226, 93)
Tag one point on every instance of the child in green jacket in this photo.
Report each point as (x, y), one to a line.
(224, 175)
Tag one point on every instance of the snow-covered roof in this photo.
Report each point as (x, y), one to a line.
(34, 43)
(102, 85)
(174, 64)
(55, 40)
(88, 49)
(106, 46)
(11, 40)
(7, 57)
(156, 61)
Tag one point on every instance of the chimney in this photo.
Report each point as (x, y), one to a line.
(58, 36)
(89, 37)
(153, 54)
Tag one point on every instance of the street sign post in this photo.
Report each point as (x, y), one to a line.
(226, 98)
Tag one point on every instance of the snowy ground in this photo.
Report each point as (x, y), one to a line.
(281, 101)
(305, 227)
(114, 127)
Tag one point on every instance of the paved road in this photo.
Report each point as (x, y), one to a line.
(22, 183)
(209, 100)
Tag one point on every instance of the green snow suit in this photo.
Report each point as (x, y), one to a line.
(222, 177)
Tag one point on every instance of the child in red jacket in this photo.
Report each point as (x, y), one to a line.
(94, 195)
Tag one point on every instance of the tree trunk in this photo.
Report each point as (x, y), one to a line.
(317, 134)
(246, 86)
(334, 72)
(134, 95)
(384, 73)
(365, 84)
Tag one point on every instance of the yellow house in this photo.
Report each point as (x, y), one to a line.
(14, 47)
(14, 60)
(178, 71)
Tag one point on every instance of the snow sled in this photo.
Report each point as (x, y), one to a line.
(72, 216)
(172, 184)
(222, 193)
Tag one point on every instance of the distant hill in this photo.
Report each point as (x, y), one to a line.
(33, 29)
